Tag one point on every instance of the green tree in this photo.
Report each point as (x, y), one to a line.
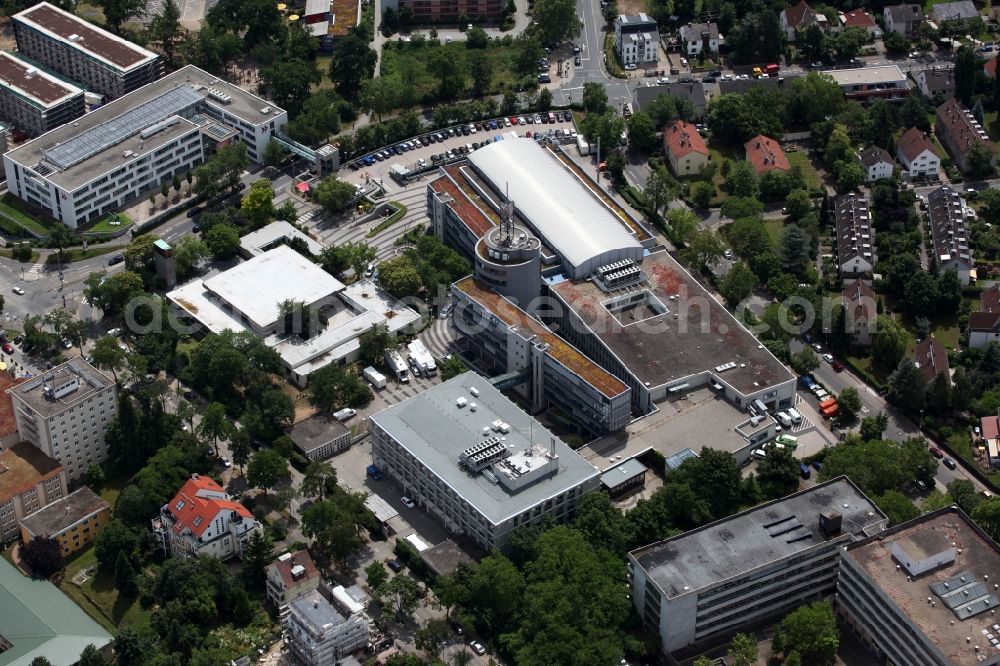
(40, 661)
(223, 240)
(257, 554)
(60, 237)
(849, 402)
(778, 472)
(113, 293)
(965, 494)
(274, 153)
(91, 656)
(872, 427)
(43, 555)
(222, 171)
(118, 12)
(897, 507)
(965, 75)
(399, 277)
(481, 69)
(239, 447)
(987, 516)
(448, 70)
(811, 631)
(795, 247)
(400, 594)
(189, 253)
(125, 575)
(704, 247)
(888, 343)
(556, 20)
(743, 650)
(108, 354)
(742, 180)
(737, 284)
(380, 95)
(642, 133)
(452, 367)
(658, 193)
(544, 99)
(879, 465)
(684, 225)
(595, 98)
(373, 344)
(799, 204)
(94, 477)
(979, 161)
(317, 478)
(352, 62)
(376, 574)
(336, 259)
(850, 175)
(289, 81)
(258, 204)
(907, 386)
(334, 194)
(335, 530)
(215, 424)
(814, 97)
(266, 468)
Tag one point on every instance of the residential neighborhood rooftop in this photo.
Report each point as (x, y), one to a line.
(873, 155)
(949, 236)
(931, 358)
(952, 11)
(317, 431)
(913, 142)
(681, 138)
(765, 154)
(854, 228)
(22, 467)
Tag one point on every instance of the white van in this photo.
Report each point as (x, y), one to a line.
(794, 415)
(759, 454)
(784, 419)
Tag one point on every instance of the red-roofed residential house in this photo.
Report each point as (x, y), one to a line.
(860, 311)
(686, 150)
(201, 519)
(291, 576)
(765, 154)
(917, 155)
(932, 359)
(991, 438)
(859, 18)
(798, 18)
(991, 67)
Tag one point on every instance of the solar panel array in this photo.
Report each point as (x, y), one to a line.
(92, 141)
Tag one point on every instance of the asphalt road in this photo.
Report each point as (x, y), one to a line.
(900, 426)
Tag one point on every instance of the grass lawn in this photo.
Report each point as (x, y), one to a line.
(11, 208)
(801, 160)
(410, 63)
(323, 65)
(389, 221)
(104, 225)
(99, 598)
(774, 229)
(77, 254)
(10, 254)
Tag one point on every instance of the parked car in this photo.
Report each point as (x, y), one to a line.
(8, 348)
(817, 347)
(18, 340)
(407, 502)
(949, 463)
(828, 358)
(936, 452)
(194, 211)
(837, 366)
(395, 565)
(630, 67)
(115, 260)
(344, 414)
(920, 485)
(18, 291)
(477, 647)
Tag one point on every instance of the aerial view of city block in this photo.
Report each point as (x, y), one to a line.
(499, 333)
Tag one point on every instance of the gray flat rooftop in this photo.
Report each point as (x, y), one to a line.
(930, 534)
(435, 431)
(696, 335)
(64, 513)
(84, 36)
(271, 235)
(90, 381)
(37, 86)
(317, 611)
(140, 109)
(259, 286)
(868, 75)
(623, 472)
(734, 546)
(316, 431)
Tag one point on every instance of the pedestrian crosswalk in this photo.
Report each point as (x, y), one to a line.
(36, 268)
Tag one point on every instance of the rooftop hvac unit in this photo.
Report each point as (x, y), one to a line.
(61, 390)
(461, 402)
(284, 557)
(266, 110)
(220, 96)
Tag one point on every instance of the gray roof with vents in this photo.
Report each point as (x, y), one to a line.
(764, 535)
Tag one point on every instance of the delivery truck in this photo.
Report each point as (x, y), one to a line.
(374, 377)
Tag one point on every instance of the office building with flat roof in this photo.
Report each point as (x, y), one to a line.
(752, 566)
(103, 62)
(866, 84)
(72, 521)
(35, 101)
(504, 339)
(924, 593)
(248, 297)
(126, 149)
(320, 437)
(29, 481)
(477, 462)
(657, 329)
(64, 413)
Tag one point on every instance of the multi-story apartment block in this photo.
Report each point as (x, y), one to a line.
(866, 84)
(29, 481)
(201, 519)
(712, 581)
(917, 155)
(924, 593)
(64, 413)
(318, 634)
(876, 162)
(126, 149)
(856, 255)
(697, 38)
(505, 339)
(291, 576)
(637, 40)
(477, 462)
(860, 310)
(946, 213)
(935, 83)
(101, 61)
(72, 521)
(958, 131)
(36, 101)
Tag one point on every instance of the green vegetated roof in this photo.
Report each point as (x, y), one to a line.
(37, 619)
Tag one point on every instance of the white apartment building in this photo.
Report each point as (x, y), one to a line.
(923, 592)
(318, 634)
(36, 101)
(877, 164)
(102, 62)
(477, 462)
(201, 519)
(126, 149)
(917, 155)
(697, 38)
(637, 40)
(64, 413)
(713, 580)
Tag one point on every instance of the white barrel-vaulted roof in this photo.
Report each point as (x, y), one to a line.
(569, 217)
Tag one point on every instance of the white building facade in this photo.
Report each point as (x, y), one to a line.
(65, 412)
(637, 40)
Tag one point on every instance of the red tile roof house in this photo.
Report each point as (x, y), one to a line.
(686, 150)
(860, 309)
(991, 439)
(799, 18)
(859, 18)
(917, 154)
(765, 154)
(931, 358)
(202, 520)
(291, 576)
